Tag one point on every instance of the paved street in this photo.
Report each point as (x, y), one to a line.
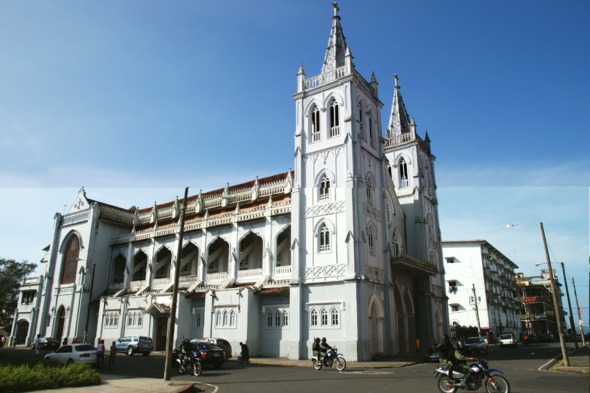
(522, 366)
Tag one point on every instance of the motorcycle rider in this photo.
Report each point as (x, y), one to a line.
(324, 348)
(460, 361)
(315, 348)
(447, 353)
(184, 350)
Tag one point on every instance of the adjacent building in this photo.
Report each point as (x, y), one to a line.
(481, 286)
(347, 245)
(538, 311)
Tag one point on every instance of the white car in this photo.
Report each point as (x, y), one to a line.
(73, 353)
(477, 343)
(507, 339)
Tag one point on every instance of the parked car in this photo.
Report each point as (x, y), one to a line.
(507, 339)
(209, 354)
(73, 353)
(135, 344)
(476, 344)
(432, 356)
(48, 343)
(219, 342)
(548, 337)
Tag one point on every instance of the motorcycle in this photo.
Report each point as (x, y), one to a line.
(333, 357)
(480, 375)
(190, 364)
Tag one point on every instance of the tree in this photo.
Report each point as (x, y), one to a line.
(12, 273)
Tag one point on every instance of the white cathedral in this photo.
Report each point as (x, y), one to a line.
(346, 246)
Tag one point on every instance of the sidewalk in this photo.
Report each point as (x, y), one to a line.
(579, 362)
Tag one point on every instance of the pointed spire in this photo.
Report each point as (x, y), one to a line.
(336, 50)
(399, 121)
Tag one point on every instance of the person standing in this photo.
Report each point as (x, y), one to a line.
(36, 345)
(112, 355)
(100, 353)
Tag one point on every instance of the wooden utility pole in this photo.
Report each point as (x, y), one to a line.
(476, 310)
(579, 317)
(172, 319)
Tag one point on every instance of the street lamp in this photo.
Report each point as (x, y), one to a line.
(558, 316)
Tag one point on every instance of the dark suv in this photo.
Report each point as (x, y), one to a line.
(135, 344)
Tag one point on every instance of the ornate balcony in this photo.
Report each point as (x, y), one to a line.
(413, 266)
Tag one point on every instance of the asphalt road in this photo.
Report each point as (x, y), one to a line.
(520, 365)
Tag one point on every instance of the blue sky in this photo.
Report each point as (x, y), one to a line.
(135, 100)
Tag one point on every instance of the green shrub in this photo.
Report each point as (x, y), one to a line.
(23, 378)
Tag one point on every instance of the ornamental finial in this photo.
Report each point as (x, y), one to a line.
(336, 9)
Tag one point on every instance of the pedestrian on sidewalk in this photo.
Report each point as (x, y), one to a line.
(100, 353)
(417, 344)
(36, 345)
(112, 355)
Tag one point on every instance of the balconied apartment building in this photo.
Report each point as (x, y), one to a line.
(537, 309)
(481, 286)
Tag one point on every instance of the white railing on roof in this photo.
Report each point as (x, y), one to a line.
(324, 78)
(396, 140)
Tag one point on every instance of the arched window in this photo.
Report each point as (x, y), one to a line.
(139, 266)
(285, 316)
(371, 240)
(324, 317)
(218, 318)
(369, 190)
(403, 174)
(324, 238)
(119, 269)
(225, 318)
(371, 137)
(360, 120)
(269, 318)
(232, 318)
(325, 188)
(70, 261)
(315, 124)
(334, 120)
(314, 317)
(278, 318)
(335, 317)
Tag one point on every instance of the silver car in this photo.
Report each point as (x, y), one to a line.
(73, 353)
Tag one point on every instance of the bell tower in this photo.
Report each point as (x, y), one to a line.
(338, 234)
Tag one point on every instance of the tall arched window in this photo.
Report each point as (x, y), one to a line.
(314, 317)
(335, 316)
(70, 261)
(369, 190)
(334, 120)
(403, 174)
(315, 124)
(360, 120)
(370, 123)
(324, 238)
(119, 269)
(371, 240)
(325, 188)
(324, 317)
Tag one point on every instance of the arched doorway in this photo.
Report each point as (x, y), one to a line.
(376, 327)
(21, 331)
(61, 321)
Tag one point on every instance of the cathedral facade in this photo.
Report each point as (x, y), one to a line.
(346, 246)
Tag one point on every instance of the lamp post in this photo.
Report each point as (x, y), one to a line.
(558, 316)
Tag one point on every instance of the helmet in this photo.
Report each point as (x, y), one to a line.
(445, 338)
(317, 340)
(323, 339)
(460, 344)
